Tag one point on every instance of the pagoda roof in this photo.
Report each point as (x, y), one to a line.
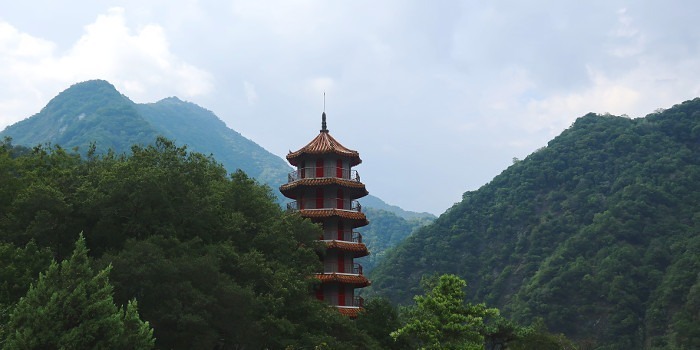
(358, 218)
(359, 187)
(351, 312)
(358, 280)
(324, 143)
(360, 249)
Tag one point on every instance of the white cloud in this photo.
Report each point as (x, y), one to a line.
(250, 94)
(137, 61)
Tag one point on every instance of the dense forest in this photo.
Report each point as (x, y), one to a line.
(211, 259)
(592, 238)
(94, 114)
(163, 248)
(596, 233)
(385, 231)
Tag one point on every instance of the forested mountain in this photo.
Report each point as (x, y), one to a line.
(597, 233)
(385, 231)
(92, 111)
(211, 259)
(95, 112)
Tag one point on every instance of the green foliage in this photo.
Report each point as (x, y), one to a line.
(440, 319)
(89, 112)
(212, 259)
(71, 307)
(378, 320)
(385, 230)
(94, 117)
(535, 337)
(595, 233)
(206, 133)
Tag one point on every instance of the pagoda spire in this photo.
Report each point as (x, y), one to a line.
(323, 122)
(323, 116)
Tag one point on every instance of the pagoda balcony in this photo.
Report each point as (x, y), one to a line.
(356, 237)
(346, 236)
(323, 172)
(351, 269)
(356, 301)
(328, 203)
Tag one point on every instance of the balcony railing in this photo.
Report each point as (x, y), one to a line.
(358, 302)
(355, 302)
(328, 171)
(356, 237)
(328, 203)
(345, 235)
(355, 268)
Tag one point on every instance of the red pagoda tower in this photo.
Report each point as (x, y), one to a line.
(324, 189)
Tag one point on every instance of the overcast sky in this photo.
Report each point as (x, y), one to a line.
(437, 96)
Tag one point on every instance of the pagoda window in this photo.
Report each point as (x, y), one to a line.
(339, 169)
(319, 198)
(319, 167)
(341, 295)
(341, 263)
(341, 231)
(302, 169)
(340, 201)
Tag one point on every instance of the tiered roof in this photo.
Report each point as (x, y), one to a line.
(359, 250)
(324, 143)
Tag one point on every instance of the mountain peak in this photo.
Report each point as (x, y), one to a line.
(86, 112)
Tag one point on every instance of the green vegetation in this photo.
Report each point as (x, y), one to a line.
(212, 259)
(71, 307)
(95, 114)
(597, 234)
(385, 231)
(440, 319)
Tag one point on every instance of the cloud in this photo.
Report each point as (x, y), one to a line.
(250, 93)
(137, 61)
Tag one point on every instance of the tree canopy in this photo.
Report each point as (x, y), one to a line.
(71, 307)
(596, 234)
(211, 258)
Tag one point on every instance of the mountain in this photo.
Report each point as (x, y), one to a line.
(95, 112)
(596, 233)
(376, 203)
(386, 230)
(192, 125)
(92, 111)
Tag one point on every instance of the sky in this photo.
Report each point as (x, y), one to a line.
(438, 97)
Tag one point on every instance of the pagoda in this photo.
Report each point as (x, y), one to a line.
(324, 188)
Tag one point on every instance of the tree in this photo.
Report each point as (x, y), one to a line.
(378, 320)
(441, 320)
(71, 307)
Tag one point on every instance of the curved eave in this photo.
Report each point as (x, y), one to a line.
(358, 249)
(356, 189)
(356, 280)
(359, 218)
(351, 312)
(324, 143)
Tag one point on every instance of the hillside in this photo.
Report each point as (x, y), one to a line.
(385, 231)
(192, 125)
(92, 111)
(95, 112)
(597, 233)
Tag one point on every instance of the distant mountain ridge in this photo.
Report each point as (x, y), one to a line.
(95, 112)
(598, 234)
